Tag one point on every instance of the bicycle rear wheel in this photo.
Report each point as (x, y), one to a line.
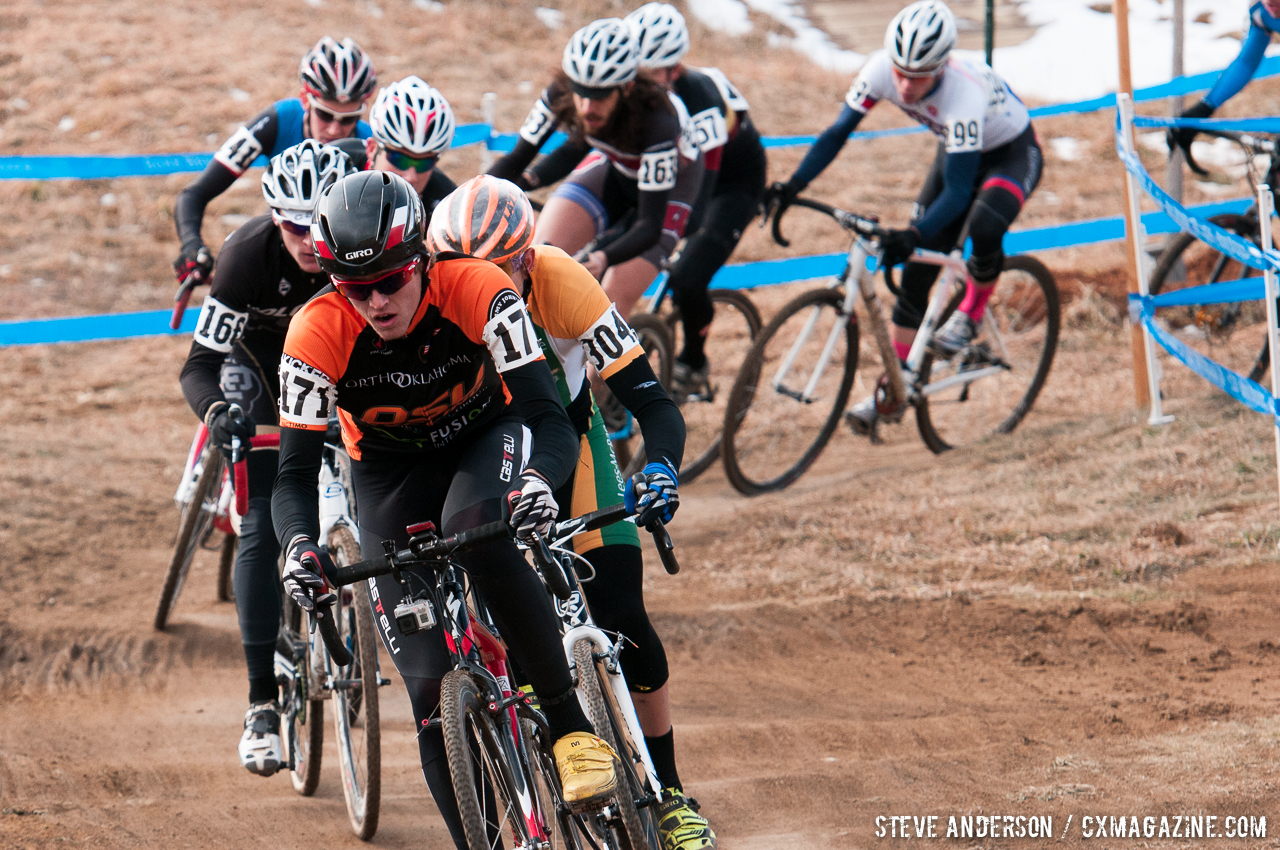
(790, 392)
(990, 386)
(302, 715)
(729, 338)
(634, 803)
(193, 526)
(487, 779)
(355, 696)
(1225, 333)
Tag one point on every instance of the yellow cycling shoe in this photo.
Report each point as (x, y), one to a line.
(586, 768)
(680, 826)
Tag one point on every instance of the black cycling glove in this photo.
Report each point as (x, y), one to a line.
(1182, 137)
(898, 246)
(225, 421)
(195, 259)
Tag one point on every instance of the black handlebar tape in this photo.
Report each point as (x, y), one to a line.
(666, 551)
(478, 536)
(329, 631)
(603, 517)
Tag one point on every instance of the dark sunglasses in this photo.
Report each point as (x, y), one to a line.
(295, 228)
(389, 284)
(327, 117)
(404, 162)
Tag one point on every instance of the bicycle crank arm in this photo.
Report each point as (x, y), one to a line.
(964, 378)
(798, 395)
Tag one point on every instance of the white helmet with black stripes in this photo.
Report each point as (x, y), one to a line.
(920, 37)
(604, 54)
(664, 36)
(296, 177)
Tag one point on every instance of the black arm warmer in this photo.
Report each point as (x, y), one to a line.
(511, 166)
(558, 164)
(644, 233)
(201, 378)
(555, 443)
(661, 424)
(188, 209)
(295, 503)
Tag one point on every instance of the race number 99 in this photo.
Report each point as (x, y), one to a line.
(964, 136)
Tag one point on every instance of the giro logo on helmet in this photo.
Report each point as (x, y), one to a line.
(364, 252)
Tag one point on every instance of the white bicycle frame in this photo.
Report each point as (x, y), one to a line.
(857, 262)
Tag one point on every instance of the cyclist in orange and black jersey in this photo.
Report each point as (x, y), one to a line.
(732, 186)
(434, 370)
(643, 161)
(337, 78)
(267, 271)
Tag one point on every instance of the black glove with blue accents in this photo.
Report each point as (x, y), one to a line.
(656, 497)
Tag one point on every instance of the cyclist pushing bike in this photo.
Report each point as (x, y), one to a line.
(643, 165)
(492, 219)
(268, 270)
(449, 413)
(988, 163)
(1264, 21)
(732, 185)
(337, 78)
(412, 127)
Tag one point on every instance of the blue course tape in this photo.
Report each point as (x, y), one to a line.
(98, 167)
(88, 328)
(1223, 292)
(1238, 125)
(1243, 390)
(1211, 234)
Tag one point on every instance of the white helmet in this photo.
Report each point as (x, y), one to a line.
(664, 38)
(920, 37)
(602, 55)
(413, 117)
(296, 177)
(338, 71)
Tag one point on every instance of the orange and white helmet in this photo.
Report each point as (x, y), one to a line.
(485, 217)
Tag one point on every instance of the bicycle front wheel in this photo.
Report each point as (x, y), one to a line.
(989, 387)
(302, 720)
(729, 337)
(487, 780)
(355, 696)
(634, 813)
(790, 392)
(193, 526)
(1231, 334)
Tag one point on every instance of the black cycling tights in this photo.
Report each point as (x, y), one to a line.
(617, 605)
(725, 217)
(257, 579)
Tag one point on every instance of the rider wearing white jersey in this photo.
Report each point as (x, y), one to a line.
(987, 164)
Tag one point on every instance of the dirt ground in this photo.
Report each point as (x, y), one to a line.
(1073, 620)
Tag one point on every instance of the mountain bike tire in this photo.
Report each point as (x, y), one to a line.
(639, 831)
(729, 338)
(356, 714)
(485, 779)
(226, 563)
(195, 520)
(655, 339)
(1217, 322)
(771, 436)
(1025, 309)
(303, 716)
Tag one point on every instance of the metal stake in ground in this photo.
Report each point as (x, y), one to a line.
(1266, 208)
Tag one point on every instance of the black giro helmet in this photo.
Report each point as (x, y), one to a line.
(367, 224)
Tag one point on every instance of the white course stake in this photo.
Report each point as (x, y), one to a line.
(1158, 416)
(1266, 208)
(488, 113)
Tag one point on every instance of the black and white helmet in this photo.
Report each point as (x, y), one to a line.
(338, 70)
(296, 177)
(413, 117)
(920, 37)
(602, 55)
(664, 37)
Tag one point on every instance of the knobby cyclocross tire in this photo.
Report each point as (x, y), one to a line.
(226, 561)
(639, 827)
(303, 719)
(655, 339)
(355, 698)
(1216, 322)
(1025, 311)
(733, 329)
(486, 781)
(771, 433)
(196, 518)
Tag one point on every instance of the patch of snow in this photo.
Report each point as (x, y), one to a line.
(235, 219)
(373, 10)
(240, 95)
(552, 19)
(19, 104)
(1220, 152)
(6, 270)
(1217, 190)
(429, 6)
(314, 4)
(95, 135)
(525, 87)
(727, 16)
(108, 200)
(1066, 148)
(730, 16)
(67, 124)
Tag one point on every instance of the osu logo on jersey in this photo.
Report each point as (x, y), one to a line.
(391, 415)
